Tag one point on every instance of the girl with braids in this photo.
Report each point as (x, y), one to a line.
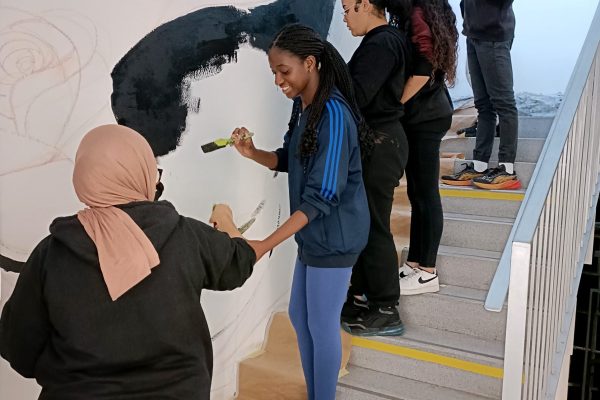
(321, 153)
(432, 27)
(379, 70)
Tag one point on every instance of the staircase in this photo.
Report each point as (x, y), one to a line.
(453, 348)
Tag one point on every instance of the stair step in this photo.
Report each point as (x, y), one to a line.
(449, 344)
(452, 361)
(528, 149)
(366, 384)
(473, 201)
(524, 170)
(534, 127)
(464, 267)
(454, 309)
(476, 232)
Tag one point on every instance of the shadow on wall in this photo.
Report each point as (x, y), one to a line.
(151, 83)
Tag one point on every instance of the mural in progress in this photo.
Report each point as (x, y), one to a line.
(182, 74)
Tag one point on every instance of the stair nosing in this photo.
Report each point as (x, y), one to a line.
(475, 189)
(422, 331)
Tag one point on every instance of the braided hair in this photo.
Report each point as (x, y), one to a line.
(303, 42)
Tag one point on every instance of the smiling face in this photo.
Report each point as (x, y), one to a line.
(292, 74)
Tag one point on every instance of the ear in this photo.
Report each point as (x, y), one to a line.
(365, 5)
(310, 63)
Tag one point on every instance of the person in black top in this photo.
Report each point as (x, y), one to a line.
(489, 26)
(108, 305)
(379, 70)
(428, 117)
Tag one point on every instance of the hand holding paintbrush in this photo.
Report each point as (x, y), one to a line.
(244, 136)
(222, 219)
(242, 141)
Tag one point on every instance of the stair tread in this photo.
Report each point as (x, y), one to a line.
(496, 139)
(471, 253)
(376, 384)
(455, 251)
(449, 344)
(460, 292)
(479, 218)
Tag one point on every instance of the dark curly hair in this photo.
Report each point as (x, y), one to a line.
(442, 23)
(303, 42)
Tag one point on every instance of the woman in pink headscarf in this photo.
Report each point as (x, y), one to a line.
(108, 305)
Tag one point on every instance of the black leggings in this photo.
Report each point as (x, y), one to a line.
(375, 274)
(422, 176)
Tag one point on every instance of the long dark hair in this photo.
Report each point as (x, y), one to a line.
(399, 11)
(442, 23)
(303, 42)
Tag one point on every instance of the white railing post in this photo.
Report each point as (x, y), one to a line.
(514, 346)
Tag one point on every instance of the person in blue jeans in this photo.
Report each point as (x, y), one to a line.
(489, 26)
(321, 153)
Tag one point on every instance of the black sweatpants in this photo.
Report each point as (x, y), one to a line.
(422, 176)
(375, 274)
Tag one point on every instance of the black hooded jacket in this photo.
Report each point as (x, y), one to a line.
(61, 327)
(488, 20)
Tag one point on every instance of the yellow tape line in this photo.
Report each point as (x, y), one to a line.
(480, 194)
(480, 369)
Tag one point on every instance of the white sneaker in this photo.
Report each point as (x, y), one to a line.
(419, 282)
(405, 270)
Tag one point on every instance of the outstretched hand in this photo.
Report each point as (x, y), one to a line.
(242, 141)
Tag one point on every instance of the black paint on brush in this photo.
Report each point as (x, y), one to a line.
(151, 82)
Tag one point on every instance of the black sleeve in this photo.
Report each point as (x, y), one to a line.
(462, 8)
(370, 67)
(24, 325)
(421, 65)
(228, 262)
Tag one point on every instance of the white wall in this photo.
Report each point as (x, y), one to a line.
(55, 85)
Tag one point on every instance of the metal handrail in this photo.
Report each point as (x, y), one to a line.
(541, 180)
(543, 259)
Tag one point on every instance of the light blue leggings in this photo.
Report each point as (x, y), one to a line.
(316, 301)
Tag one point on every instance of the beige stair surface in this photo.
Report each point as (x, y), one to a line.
(275, 373)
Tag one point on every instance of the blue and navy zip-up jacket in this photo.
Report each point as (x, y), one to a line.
(328, 187)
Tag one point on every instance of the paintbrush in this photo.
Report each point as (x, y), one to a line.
(220, 143)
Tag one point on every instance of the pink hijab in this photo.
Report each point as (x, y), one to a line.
(115, 165)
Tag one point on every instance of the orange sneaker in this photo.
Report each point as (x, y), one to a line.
(497, 178)
(464, 177)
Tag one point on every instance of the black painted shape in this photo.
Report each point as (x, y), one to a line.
(8, 264)
(148, 82)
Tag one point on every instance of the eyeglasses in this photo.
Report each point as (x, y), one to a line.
(347, 10)
(159, 174)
